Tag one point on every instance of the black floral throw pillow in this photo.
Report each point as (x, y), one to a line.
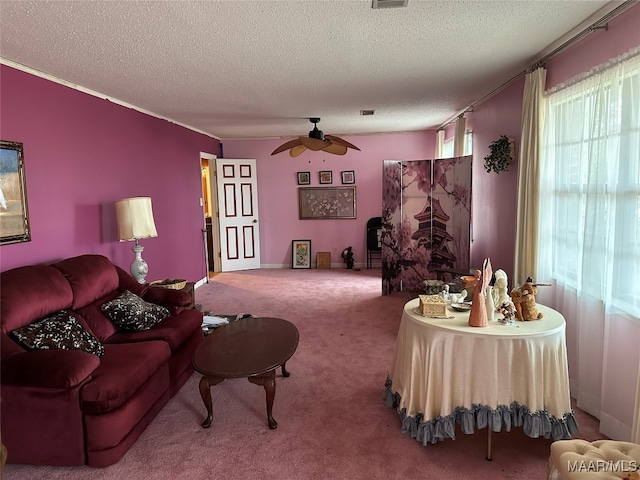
(59, 331)
(130, 312)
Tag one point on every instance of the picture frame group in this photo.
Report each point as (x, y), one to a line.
(325, 177)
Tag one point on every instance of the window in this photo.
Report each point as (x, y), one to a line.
(447, 149)
(589, 235)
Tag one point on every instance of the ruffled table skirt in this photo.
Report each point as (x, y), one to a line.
(534, 424)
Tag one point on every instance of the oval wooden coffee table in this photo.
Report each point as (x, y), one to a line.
(249, 347)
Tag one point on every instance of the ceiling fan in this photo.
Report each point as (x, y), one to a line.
(316, 141)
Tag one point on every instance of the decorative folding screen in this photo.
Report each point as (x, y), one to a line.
(426, 220)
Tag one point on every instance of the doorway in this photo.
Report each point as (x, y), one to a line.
(210, 231)
(230, 208)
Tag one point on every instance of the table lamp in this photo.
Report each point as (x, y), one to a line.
(135, 221)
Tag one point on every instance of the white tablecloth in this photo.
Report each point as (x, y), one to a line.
(445, 372)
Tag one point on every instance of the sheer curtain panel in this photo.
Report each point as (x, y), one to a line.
(589, 234)
(459, 138)
(440, 144)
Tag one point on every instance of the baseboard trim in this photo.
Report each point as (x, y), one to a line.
(614, 428)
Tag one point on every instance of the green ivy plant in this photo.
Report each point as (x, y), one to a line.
(500, 156)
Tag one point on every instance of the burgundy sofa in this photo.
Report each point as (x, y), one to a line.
(69, 407)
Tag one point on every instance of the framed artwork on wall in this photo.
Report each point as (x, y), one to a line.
(326, 176)
(317, 203)
(348, 176)
(301, 254)
(14, 214)
(304, 178)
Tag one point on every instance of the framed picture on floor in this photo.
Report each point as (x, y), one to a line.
(301, 254)
(14, 214)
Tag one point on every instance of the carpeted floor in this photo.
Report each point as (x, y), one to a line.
(332, 421)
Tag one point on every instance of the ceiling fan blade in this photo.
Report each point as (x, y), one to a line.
(340, 141)
(335, 149)
(314, 143)
(297, 150)
(286, 146)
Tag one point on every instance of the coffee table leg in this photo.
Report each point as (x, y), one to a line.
(284, 370)
(205, 392)
(268, 381)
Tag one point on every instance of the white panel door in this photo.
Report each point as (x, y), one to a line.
(238, 211)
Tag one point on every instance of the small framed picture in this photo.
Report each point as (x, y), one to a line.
(301, 254)
(348, 176)
(304, 178)
(326, 176)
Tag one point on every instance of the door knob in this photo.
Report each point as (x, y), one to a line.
(255, 220)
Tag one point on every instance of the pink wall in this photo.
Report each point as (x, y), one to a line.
(597, 48)
(82, 154)
(493, 200)
(277, 187)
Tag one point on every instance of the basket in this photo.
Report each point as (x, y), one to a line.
(172, 283)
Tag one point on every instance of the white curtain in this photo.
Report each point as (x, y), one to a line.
(440, 144)
(589, 229)
(528, 176)
(458, 138)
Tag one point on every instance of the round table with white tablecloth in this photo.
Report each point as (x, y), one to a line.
(445, 372)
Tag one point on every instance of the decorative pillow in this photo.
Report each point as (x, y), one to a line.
(130, 312)
(59, 331)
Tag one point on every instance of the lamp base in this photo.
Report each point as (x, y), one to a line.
(139, 267)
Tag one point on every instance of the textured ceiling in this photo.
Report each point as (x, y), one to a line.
(252, 69)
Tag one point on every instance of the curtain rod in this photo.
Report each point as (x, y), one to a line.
(591, 28)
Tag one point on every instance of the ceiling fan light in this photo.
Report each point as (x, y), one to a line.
(316, 141)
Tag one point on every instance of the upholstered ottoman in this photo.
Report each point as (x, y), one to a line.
(599, 460)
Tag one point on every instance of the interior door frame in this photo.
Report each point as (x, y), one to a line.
(215, 222)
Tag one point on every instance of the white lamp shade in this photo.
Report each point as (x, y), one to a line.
(135, 218)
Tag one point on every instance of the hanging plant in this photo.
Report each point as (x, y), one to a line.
(500, 156)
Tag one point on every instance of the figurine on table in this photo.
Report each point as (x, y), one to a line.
(478, 316)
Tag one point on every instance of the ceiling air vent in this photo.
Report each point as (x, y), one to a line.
(389, 3)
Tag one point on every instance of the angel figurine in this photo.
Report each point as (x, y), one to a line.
(478, 316)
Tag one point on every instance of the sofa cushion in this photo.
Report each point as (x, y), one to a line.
(58, 331)
(175, 330)
(130, 312)
(123, 370)
(90, 277)
(99, 324)
(57, 369)
(31, 293)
